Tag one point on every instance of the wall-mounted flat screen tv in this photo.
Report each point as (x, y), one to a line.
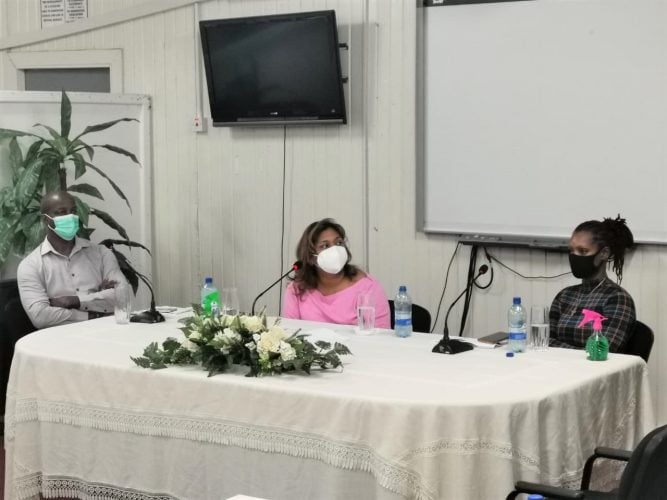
(274, 70)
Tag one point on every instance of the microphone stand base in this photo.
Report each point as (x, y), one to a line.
(151, 316)
(450, 346)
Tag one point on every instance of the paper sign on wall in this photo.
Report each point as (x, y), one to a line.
(55, 12)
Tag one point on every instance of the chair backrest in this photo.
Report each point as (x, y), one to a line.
(14, 324)
(645, 475)
(17, 322)
(640, 341)
(421, 318)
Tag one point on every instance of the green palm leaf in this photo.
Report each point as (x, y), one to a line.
(83, 209)
(109, 221)
(56, 136)
(7, 133)
(33, 150)
(109, 243)
(50, 175)
(103, 126)
(77, 145)
(79, 165)
(65, 115)
(15, 155)
(86, 189)
(34, 235)
(7, 230)
(118, 150)
(115, 187)
(27, 184)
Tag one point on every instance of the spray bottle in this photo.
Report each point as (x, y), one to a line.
(597, 345)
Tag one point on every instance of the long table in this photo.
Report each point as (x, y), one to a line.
(397, 422)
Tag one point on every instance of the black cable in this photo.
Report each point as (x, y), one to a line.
(492, 258)
(472, 283)
(282, 224)
(444, 288)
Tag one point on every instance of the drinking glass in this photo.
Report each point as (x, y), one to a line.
(539, 328)
(230, 301)
(365, 313)
(123, 303)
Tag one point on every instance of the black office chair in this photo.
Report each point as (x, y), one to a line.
(641, 341)
(421, 318)
(644, 476)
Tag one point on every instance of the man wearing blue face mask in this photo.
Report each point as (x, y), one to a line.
(66, 279)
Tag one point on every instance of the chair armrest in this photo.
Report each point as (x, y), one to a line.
(613, 453)
(601, 452)
(545, 490)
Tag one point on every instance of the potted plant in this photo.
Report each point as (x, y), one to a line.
(53, 162)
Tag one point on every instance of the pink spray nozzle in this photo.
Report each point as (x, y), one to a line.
(593, 316)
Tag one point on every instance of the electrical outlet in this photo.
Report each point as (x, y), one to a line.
(199, 124)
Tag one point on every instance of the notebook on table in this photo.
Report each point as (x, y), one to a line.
(494, 338)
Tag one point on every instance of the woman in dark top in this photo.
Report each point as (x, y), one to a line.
(593, 244)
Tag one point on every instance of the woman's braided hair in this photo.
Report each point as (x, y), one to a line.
(613, 234)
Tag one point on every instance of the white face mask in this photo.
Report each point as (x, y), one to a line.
(332, 259)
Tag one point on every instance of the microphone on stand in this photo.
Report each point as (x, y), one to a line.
(152, 315)
(447, 345)
(295, 267)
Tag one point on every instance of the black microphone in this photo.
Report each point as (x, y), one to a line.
(152, 315)
(447, 345)
(295, 267)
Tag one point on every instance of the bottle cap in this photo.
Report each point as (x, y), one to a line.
(208, 280)
(509, 354)
(516, 300)
(402, 288)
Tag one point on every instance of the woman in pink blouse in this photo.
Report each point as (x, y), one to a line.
(326, 287)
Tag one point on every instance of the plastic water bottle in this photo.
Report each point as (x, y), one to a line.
(403, 313)
(210, 298)
(516, 318)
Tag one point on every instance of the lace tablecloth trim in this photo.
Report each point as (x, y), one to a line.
(61, 486)
(473, 446)
(389, 474)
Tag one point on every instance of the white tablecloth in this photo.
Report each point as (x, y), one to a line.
(399, 421)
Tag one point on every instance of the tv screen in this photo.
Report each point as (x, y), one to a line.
(274, 70)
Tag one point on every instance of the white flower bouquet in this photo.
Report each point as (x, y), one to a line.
(217, 343)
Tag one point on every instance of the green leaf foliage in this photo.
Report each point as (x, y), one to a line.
(83, 209)
(110, 221)
(41, 164)
(104, 126)
(65, 115)
(219, 342)
(79, 165)
(15, 156)
(115, 187)
(118, 150)
(27, 184)
(85, 189)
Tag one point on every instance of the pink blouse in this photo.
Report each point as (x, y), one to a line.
(339, 307)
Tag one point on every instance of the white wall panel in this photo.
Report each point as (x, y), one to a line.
(218, 194)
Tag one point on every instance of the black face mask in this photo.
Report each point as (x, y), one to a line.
(583, 266)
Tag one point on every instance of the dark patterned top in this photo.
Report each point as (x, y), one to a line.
(602, 296)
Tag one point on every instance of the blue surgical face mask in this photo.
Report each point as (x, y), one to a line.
(65, 226)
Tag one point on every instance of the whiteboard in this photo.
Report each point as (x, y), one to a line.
(539, 115)
(22, 110)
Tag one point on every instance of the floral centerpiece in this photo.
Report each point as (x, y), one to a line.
(217, 343)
